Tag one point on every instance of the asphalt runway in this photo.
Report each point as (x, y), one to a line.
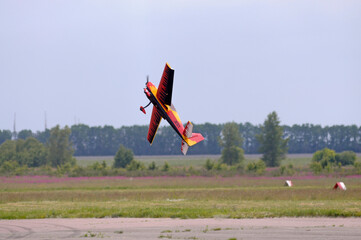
(166, 228)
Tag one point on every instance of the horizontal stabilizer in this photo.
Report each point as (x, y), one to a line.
(190, 138)
(196, 138)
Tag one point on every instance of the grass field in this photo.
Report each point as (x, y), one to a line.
(194, 160)
(23, 197)
(183, 197)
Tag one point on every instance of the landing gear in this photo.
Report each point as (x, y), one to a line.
(143, 108)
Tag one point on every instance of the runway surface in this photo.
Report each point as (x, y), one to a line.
(166, 228)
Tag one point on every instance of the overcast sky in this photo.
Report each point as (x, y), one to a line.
(87, 61)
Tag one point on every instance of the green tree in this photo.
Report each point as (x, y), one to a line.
(272, 144)
(325, 157)
(346, 158)
(80, 137)
(60, 150)
(316, 167)
(123, 157)
(231, 141)
(5, 135)
(152, 166)
(209, 164)
(7, 151)
(31, 152)
(135, 165)
(258, 167)
(24, 134)
(44, 136)
(165, 167)
(357, 166)
(9, 167)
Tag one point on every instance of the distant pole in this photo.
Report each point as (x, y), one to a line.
(14, 129)
(45, 121)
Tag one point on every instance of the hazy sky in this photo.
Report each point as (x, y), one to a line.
(87, 61)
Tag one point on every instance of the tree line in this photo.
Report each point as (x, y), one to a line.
(30, 152)
(105, 140)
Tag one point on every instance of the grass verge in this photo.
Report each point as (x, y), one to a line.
(186, 209)
(176, 197)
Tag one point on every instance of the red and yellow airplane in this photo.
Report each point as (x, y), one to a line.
(163, 108)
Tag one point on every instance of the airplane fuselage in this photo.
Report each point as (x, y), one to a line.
(167, 112)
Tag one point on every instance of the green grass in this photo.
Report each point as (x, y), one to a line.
(89, 160)
(187, 209)
(178, 197)
(174, 161)
(298, 160)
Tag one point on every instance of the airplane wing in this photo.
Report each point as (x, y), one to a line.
(165, 87)
(154, 124)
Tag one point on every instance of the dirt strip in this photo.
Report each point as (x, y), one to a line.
(166, 228)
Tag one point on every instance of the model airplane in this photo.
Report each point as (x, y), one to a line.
(163, 108)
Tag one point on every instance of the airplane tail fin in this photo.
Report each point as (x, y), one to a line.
(190, 138)
(184, 147)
